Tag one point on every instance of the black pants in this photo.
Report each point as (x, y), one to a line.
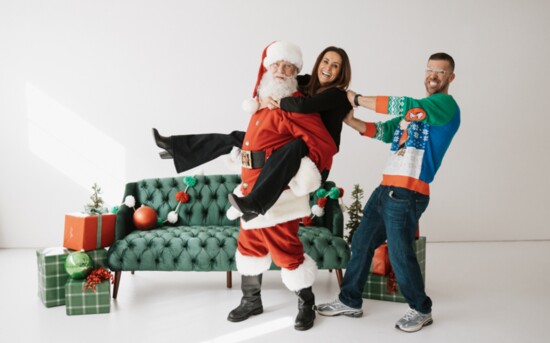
(193, 150)
(277, 172)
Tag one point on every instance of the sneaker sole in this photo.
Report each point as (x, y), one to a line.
(430, 322)
(351, 314)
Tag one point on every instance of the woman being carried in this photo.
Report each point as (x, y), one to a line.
(326, 95)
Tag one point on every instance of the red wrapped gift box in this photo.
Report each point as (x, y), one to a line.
(89, 232)
(381, 261)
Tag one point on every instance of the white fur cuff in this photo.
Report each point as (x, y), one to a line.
(307, 179)
(233, 160)
(251, 265)
(301, 277)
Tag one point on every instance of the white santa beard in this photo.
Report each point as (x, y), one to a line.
(275, 87)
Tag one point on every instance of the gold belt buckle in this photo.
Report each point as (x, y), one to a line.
(246, 158)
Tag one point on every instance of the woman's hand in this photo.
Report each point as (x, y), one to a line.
(269, 102)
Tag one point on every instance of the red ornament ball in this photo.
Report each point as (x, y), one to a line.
(182, 197)
(322, 202)
(145, 218)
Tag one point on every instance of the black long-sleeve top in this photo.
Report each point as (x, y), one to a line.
(332, 104)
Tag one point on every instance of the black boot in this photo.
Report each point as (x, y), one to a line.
(248, 206)
(306, 309)
(163, 143)
(251, 302)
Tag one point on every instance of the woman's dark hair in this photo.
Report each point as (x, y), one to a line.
(343, 79)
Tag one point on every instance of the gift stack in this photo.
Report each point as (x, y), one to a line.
(381, 283)
(75, 275)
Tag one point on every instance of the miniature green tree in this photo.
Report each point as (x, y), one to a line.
(96, 206)
(355, 212)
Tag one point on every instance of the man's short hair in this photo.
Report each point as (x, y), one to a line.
(441, 56)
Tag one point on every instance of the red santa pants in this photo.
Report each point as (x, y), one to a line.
(281, 241)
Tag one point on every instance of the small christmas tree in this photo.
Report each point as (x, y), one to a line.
(97, 202)
(355, 212)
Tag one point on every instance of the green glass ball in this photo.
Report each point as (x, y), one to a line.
(78, 265)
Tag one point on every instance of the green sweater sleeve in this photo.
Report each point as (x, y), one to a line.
(385, 129)
(438, 108)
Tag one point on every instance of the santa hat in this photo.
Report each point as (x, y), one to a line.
(274, 52)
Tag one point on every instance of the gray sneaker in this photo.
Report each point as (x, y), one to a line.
(413, 321)
(337, 308)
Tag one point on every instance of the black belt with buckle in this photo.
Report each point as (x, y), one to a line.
(252, 159)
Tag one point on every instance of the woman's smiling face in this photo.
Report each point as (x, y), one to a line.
(329, 68)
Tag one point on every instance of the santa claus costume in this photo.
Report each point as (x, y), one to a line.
(273, 236)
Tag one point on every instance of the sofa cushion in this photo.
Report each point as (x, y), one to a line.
(210, 248)
(177, 248)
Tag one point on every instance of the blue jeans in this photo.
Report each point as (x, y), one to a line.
(391, 214)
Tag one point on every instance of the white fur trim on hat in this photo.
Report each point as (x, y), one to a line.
(284, 51)
(301, 277)
(307, 179)
(252, 265)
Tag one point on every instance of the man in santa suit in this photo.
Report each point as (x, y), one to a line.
(274, 235)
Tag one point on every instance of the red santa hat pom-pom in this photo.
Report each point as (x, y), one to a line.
(250, 106)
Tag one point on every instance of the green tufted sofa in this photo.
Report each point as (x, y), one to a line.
(204, 239)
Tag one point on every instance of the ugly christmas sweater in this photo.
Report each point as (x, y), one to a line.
(419, 137)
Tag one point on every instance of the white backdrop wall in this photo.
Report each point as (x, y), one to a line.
(83, 82)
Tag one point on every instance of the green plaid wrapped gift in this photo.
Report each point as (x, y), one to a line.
(52, 275)
(80, 301)
(376, 286)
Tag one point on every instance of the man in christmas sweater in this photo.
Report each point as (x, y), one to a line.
(419, 137)
(273, 236)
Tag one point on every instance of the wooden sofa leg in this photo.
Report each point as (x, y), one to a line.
(117, 282)
(229, 280)
(339, 276)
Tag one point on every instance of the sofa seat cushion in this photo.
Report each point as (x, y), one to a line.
(176, 248)
(210, 248)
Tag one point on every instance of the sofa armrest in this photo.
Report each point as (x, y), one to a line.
(333, 219)
(124, 216)
(124, 222)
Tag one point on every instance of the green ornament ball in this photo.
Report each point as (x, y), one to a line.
(334, 193)
(321, 193)
(189, 181)
(78, 265)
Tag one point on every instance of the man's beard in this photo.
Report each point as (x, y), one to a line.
(275, 87)
(441, 87)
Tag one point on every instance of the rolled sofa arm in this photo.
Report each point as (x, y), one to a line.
(334, 218)
(124, 216)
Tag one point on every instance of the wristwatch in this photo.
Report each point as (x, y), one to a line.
(356, 99)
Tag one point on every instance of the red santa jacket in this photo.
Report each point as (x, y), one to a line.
(269, 130)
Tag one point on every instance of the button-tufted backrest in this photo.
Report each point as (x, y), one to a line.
(207, 198)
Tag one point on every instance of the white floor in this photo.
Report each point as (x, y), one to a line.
(482, 292)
